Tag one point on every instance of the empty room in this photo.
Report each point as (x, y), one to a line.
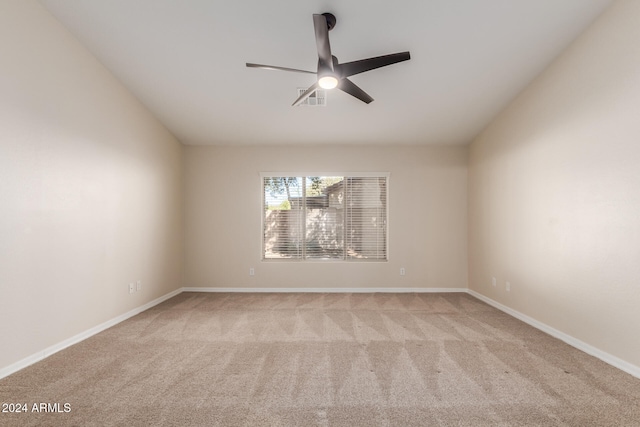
(331, 213)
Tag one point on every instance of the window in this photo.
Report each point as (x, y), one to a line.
(324, 217)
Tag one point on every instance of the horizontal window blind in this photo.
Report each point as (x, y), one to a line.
(325, 218)
(366, 218)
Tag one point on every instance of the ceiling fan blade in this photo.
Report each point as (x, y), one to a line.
(325, 62)
(356, 67)
(349, 87)
(273, 67)
(305, 95)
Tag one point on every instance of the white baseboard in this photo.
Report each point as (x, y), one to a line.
(36, 357)
(574, 342)
(327, 290)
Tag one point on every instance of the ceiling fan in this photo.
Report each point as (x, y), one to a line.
(331, 73)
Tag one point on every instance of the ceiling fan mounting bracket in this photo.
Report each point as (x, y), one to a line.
(331, 20)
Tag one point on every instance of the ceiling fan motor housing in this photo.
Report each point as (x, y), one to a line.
(331, 20)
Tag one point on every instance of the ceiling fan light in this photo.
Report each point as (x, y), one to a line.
(328, 82)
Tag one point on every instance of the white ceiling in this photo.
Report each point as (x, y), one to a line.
(185, 60)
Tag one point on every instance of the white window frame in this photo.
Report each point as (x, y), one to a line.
(263, 175)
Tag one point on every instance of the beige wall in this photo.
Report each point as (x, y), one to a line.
(554, 192)
(90, 190)
(427, 216)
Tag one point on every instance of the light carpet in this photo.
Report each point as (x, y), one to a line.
(306, 359)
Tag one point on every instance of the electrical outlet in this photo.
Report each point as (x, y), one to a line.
(252, 271)
(402, 271)
(494, 281)
(138, 285)
(131, 288)
(508, 286)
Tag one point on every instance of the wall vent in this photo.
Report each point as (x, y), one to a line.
(316, 99)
